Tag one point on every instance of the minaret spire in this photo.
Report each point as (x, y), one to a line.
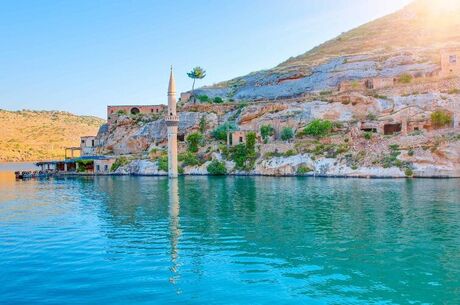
(172, 122)
(172, 83)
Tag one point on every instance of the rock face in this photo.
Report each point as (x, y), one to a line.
(273, 85)
(434, 153)
(379, 85)
(129, 137)
(141, 167)
(405, 42)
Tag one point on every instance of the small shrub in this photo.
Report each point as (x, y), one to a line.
(411, 152)
(371, 116)
(194, 140)
(441, 118)
(368, 135)
(203, 124)
(405, 78)
(290, 153)
(203, 98)
(163, 163)
(121, 112)
(121, 161)
(318, 128)
(217, 168)
(381, 97)
(218, 100)
(454, 91)
(409, 172)
(188, 159)
(287, 134)
(266, 131)
(303, 169)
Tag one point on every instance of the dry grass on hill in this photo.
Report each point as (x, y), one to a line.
(41, 135)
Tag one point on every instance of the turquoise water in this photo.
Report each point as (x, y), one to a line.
(144, 240)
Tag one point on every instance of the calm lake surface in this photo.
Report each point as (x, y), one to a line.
(202, 240)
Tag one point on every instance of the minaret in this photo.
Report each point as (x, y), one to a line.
(172, 121)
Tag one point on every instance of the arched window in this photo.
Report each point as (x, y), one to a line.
(135, 110)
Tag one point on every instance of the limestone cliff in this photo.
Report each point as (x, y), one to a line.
(407, 41)
(391, 97)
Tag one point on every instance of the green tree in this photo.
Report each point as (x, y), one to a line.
(196, 73)
(287, 133)
(163, 163)
(251, 144)
(188, 159)
(266, 131)
(218, 100)
(318, 128)
(194, 140)
(217, 168)
(220, 133)
(203, 124)
(239, 155)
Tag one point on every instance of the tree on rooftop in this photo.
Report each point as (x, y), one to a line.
(196, 73)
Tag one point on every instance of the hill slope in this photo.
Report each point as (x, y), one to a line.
(407, 41)
(41, 135)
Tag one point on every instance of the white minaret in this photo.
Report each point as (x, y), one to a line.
(172, 121)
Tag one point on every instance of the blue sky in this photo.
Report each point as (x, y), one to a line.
(80, 56)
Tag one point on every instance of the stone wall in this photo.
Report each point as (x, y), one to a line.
(113, 111)
(450, 62)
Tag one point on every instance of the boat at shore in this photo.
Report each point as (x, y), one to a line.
(23, 175)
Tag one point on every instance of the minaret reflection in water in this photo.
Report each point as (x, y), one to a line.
(174, 230)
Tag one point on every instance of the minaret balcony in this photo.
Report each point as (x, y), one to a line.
(172, 118)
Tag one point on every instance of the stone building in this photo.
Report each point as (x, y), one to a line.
(450, 62)
(185, 96)
(365, 84)
(380, 82)
(353, 85)
(238, 137)
(88, 145)
(114, 111)
(103, 166)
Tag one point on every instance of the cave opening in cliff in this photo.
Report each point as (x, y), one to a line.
(389, 129)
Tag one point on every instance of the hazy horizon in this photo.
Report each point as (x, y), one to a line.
(82, 56)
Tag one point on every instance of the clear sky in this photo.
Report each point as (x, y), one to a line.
(80, 56)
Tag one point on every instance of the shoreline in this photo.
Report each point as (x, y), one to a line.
(257, 175)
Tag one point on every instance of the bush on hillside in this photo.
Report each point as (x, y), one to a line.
(194, 140)
(218, 100)
(441, 118)
(287, 134)
(217, 168)
(266, 131)
(220, 133)
(121, 161)
(318, 128)
(405, 78)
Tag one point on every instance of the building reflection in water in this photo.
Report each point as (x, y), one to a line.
(174, 230)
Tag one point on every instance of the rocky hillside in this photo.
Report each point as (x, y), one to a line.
(407, 41)
(374, 102)
(40, 135)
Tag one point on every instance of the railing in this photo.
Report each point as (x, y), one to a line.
(172, 118)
